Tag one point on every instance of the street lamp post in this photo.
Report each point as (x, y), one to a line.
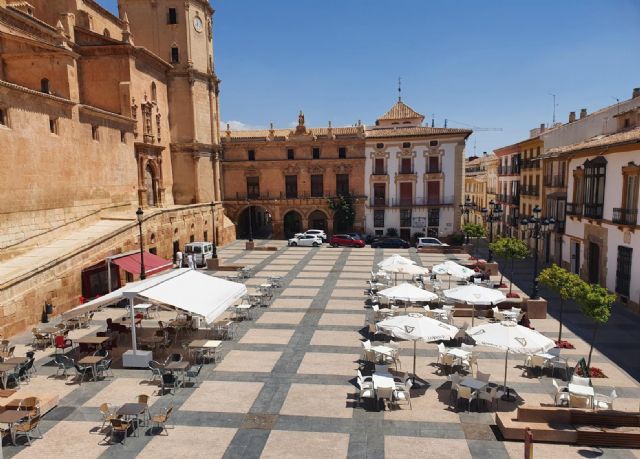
(465, 208)
(139, 215)
(537, 229)
(250, 224)
(494, 214)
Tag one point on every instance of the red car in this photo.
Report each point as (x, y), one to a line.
(344, 240)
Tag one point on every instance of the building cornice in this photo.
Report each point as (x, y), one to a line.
(105, 114)
(33, 92)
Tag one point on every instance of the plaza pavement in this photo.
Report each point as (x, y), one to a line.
(285, 385)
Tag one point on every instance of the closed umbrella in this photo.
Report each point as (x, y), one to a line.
(416, 327)
(510, 337)
(475, 295)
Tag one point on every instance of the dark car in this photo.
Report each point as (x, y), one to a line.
(345, 240)
(390, 243)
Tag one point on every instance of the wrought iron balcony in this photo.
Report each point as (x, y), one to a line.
(593, 211)
(556, 181)
(625, 216)
(530, 190)
(574, 209)
(378, 201)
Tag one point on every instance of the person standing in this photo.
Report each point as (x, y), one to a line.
(178, 259)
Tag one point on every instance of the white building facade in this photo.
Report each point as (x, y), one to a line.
(414, 175)
(601, 240)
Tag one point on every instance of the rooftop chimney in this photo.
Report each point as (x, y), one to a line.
(542, 128)
(636, 91)
(583, 112)
(572, 117)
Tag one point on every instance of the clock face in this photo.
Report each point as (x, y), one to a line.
(197, 24)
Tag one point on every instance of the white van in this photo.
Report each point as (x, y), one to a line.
(202, 251)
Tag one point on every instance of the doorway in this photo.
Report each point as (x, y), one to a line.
(594, 263)
(575, 258)
(292, 223)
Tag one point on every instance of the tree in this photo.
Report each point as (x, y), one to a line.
(509, 248)
(343, 211)
(474, 230)
(595, 302)
(567, 285)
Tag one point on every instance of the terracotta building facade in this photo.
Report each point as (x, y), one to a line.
(99, 115)
(280, 181)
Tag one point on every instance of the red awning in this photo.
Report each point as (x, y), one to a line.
(153, 264)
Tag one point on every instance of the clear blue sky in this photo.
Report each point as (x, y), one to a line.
(486, 64)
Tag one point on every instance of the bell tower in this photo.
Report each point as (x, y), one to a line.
(181, 32)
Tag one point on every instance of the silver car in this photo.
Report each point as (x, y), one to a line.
(305, 240)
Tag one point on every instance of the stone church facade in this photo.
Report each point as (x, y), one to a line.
(100, 115)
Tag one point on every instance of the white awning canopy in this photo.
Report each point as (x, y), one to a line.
(185, 289)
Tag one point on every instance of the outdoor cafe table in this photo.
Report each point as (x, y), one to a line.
(384, 382)
(204, 345)
(5, 369)
(458, 352)
(91, 341)
(10, 417)
(510, 315)
(241, 309)
(16, 360)
(384, 350)
(584, 391)
(143, 308)
(92, 360)
(130, 410)
(472, 383)
(181, 366)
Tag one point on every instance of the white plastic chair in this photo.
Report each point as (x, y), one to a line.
(604, 402)
(489, 396)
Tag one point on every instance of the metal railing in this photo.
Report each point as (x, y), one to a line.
(554, 181)
(423, 201)
(282, 196)
(574, 209)
(593, 210)
(530, 190)
(378, 201)
(625, 216)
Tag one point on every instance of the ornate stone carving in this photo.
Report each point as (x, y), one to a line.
(251, 172)
(315, 170)
(342, 168)
(406, 153)
(291, 169)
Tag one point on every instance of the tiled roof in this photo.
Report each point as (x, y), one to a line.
(400, 111)
(281, 133)
(414, 131)
(598, 141)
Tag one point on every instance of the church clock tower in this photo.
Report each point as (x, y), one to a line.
(181, 32)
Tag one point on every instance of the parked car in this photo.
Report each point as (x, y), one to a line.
(390, 243)
(305, 240)
(202, 251)
(314, 232)
(430, 242)
(355, 236)
(345, 240)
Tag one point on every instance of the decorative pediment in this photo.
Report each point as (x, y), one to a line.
(342, 169)
(434, 151)
(406, 153)
(379, 153)
(251, 172)
(316, 170)
(291, 170)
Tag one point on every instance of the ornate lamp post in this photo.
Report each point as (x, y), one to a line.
(536, 229)
(139, 215)
(465, 208)
(494, 215)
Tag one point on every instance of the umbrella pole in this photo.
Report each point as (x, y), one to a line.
(473, 313)
(506, 396)
(415, 384)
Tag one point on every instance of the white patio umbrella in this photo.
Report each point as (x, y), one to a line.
(401, 265)
(475, 295)
(407, 292)
(510, 337)
(453, 269)
(416, 327)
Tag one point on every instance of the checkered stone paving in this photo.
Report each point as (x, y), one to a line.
(284, 386)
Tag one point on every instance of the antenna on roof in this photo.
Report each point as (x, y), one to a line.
(433, 120)
(554, 109)
(399, 89)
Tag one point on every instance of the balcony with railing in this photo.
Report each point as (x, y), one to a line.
(559, 227)
(593, 211)
(530, 164)
(514, 200)
(423, 201)
(278, 196)
(378, 201)
(625, 216)
(575, 209)
(530, 190)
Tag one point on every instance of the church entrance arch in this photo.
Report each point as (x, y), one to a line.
(292, 223)
(256, 218)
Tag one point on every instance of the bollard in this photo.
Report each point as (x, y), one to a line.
(528, 444)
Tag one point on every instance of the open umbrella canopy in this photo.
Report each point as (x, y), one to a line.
(453, 269)
(475, 294)
(395, 260)
(416, 327)
(408, 292)
(413, 270)
(509, 336)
